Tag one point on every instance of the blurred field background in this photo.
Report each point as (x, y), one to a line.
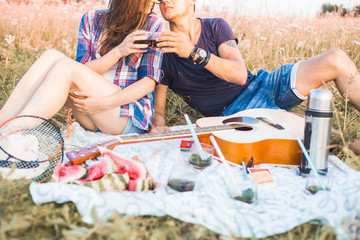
(27, 30)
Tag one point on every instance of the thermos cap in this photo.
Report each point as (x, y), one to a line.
(320, 100)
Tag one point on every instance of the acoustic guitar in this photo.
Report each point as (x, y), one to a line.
(266, 135)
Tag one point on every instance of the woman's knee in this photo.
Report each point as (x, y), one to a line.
(69, 69)
(66, 65)
(53, 54)
(63, 67)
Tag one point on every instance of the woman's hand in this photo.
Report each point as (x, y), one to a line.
(128, 45)
(175, 42)
(87, 103)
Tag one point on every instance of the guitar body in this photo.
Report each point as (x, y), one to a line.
(257, 139)
(239, 136)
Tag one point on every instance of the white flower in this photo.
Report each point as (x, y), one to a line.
(14, 21)
(278, 33)
(282, 49)
(245, 44)
(300, 44)
(64, 41)
(9, 39)
(357, 42)
(308, 29)
(263, 38)
(294, 26)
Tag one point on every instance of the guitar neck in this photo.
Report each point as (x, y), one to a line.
(85, 153)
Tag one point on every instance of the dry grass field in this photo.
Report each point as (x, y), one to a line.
(28, 30)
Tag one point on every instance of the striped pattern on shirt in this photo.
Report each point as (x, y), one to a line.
(130, 68)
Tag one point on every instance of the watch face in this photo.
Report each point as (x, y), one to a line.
(202, 53)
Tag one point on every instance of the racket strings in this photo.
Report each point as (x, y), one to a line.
(30, 142)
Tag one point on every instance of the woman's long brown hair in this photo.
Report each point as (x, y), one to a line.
(122, 18)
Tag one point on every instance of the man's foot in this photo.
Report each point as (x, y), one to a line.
(355, 147)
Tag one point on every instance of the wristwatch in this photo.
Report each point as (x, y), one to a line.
(201, 56)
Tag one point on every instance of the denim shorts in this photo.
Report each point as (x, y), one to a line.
(274, 90)
(129, 129)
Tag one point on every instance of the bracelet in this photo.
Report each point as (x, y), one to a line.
(204, 62)
(193, 52)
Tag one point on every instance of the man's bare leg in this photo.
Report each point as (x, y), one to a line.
(334, 65)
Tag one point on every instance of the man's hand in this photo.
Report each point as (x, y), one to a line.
(175, 42)
(86, 103)
(159, 124)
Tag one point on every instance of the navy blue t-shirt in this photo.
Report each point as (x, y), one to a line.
(201, 89)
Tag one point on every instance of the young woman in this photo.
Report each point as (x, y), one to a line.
(110, 73)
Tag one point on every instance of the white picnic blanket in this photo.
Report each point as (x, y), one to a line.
(281, 205)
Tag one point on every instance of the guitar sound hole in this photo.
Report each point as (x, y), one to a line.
(241, 127)
(241, 120)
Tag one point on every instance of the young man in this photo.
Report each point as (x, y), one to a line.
(203, 64)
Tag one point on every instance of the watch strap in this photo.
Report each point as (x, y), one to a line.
(203, 60)
(193, 52)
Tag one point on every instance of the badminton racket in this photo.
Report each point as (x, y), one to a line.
(30, 147)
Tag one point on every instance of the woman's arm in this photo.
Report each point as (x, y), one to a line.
(92, 103)
(149, 73)
(103, 64)
(87, 39)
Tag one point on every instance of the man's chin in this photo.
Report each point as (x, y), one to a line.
(167, 16)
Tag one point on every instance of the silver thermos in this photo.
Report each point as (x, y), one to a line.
(318, 117)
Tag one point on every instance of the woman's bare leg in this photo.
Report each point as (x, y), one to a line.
(84, 119)
(69, 76)
(29, 84)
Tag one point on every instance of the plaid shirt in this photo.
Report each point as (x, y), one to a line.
(130, 68)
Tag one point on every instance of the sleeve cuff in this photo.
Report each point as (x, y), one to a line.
(149, 71)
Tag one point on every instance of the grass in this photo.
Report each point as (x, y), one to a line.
(265, 43)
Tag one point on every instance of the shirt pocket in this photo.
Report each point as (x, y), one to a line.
(133, 60)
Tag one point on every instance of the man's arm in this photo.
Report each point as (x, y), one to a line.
(160, 104)
(229, 66)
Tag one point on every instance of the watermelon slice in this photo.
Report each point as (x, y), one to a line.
(65, 174)
(140, 185)
(135, 169)
(100, 168)
(109, 182)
